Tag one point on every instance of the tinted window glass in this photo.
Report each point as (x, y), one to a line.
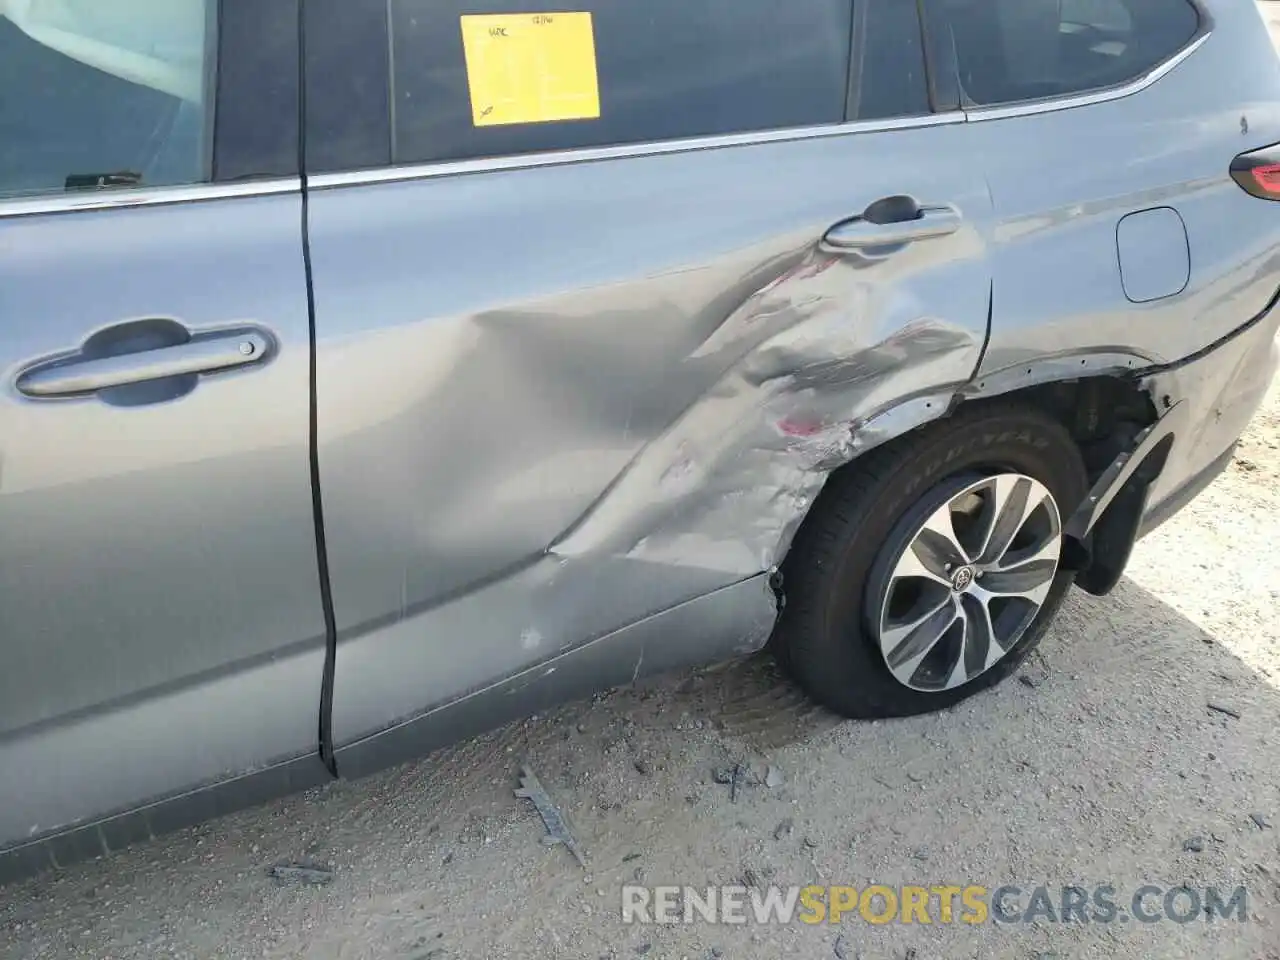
(1011, 50)
(664, 69)
(891, 79)
(94, 93)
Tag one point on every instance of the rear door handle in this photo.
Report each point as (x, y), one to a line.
(82, 375)
(894, 221)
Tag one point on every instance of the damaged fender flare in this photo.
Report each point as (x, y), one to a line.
(1101, 533)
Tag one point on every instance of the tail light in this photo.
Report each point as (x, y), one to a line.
(1258, 172)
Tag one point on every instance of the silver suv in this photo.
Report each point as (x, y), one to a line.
(377, 371)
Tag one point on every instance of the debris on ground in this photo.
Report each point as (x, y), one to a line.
(841, 948)
(311, 874)
(773, 777)
(558, 830)
(1260, 821)
(1031, 680)
(735, 777)
(1223, 709)
(1193, 845)
(642, 766)
(784, 828)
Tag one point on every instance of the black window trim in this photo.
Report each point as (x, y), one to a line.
(975, 112)
(853, 58)
(941, 64)
(237, 102)
(857, 43)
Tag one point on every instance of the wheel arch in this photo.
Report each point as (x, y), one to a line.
(1108, 412)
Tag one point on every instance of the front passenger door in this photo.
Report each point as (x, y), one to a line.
(161, 624)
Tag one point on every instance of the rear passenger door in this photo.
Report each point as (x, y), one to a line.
(533, 231)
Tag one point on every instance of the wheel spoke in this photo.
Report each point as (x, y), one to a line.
(1030, 570)
(980, 534)
(1048, 547)
(937, 669)
(980, 646)
(1010, 614)
(937, 545)
(1013, 503)
(913, 564)
(1020, 581)
(906, 644)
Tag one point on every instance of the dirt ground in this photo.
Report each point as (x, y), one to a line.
(1100, 763)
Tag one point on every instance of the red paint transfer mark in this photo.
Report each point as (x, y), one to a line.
(800, 426)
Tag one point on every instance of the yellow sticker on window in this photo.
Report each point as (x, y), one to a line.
(530, 68)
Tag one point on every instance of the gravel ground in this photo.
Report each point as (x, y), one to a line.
(1101, 762)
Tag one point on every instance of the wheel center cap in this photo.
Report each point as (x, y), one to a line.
(961, 579)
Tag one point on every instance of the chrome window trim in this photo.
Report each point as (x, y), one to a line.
(123, 198)
(449, 168)
(154, 197)
(1089, 98)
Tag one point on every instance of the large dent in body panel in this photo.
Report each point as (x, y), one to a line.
(829, 364)
(815, 359)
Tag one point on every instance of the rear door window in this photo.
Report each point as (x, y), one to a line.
(664, 69)
(394, 82)
(1015, 50)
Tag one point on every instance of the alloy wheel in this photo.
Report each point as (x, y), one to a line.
(968, 582)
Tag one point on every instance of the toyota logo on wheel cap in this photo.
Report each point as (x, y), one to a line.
(961, 579)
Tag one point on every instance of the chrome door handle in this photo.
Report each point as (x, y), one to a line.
(82, 375)
(860, 232)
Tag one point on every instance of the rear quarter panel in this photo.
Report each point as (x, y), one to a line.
(1062, 180)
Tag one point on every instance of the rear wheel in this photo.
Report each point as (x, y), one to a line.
(930, 568)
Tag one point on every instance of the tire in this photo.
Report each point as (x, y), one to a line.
(827, 636)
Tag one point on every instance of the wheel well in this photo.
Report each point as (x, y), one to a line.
(1103, 414)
